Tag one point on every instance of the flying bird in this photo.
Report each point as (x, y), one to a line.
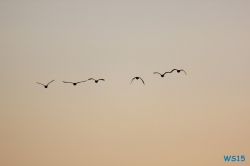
(75, 83)
(178, 71)
(96, 81)
(162, 75)
(137, 79)
(45, 86)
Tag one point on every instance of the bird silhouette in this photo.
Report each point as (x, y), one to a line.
(75, 83)
(137, 79)
(96, 81)
(162, 75)
(45, 86)
(178, 71)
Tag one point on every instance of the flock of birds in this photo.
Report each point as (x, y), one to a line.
(74, 83)
(96, 81)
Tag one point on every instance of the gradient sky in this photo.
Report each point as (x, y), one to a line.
(178, 120)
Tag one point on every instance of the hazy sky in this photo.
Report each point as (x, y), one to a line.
(178, 120)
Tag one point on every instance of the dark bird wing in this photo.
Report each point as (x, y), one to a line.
(40, 83)
(167, 72)
(102, 79)
(183, 71)
(132, 80)
(91, 79)
(157, 73)
(142, 80)
(67, 82)
(81, 81)
(172, 70)
(50, 82)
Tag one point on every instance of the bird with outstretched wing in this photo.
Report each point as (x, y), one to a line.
(137, 79)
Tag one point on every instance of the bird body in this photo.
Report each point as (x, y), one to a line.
(45, 86)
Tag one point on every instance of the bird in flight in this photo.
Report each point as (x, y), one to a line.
(137, 79)
(96, 81)
(178, 71)
(162, 75)
(45, 86)
(75, 83)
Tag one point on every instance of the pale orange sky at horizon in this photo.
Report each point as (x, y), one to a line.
(191, 120)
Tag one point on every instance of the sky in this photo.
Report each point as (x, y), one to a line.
(191, 120)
